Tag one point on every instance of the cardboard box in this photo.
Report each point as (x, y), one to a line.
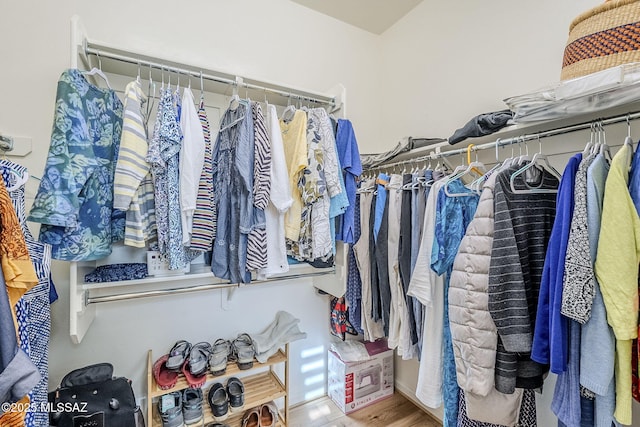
(354, 385)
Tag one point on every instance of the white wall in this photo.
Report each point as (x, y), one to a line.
(446, 62)
(277, 41)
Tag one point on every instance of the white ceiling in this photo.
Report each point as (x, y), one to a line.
(375, 16)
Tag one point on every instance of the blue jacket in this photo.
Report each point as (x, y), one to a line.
(550, 337)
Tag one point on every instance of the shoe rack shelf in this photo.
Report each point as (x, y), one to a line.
(262, 385)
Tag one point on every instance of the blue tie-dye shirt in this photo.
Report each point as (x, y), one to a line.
(75, 200)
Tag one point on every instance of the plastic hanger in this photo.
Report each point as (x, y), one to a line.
(589, 145)
(289, 112)
(604, 148)
(541, 160)
(235, 99)
(98, 72)
(475, 167)
(523, 157)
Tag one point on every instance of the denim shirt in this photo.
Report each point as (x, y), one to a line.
(233, 159)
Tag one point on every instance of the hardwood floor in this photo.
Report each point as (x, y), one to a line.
(395, 411)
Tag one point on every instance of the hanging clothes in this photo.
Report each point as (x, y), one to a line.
(473, 333)
(404, 256)
(319, 128)
(597, 343)
(399, 329)
(159, 173)
(616, 269)
(132, 183)
(550, 337)
(164, 158)
(453, 215)
(578, 282)
(18, 374)
(280, 199)
(233, 193)
(204, 217)
(33, 309)
(257, 240)
(19, 274)
(74, 202)
(354, 292)
(349, 157)
(428, 288)
(361, 250)
(314, 209)
(517, 258)
(381, 255)
(191, 162)
(294, 140)
(419, 192)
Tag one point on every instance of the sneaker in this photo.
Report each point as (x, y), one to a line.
(170, 408)
(192, 405)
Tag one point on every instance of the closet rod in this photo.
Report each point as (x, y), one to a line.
(133, 58)
(187, 289)
(518, 139)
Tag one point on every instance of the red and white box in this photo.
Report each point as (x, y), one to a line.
(354, 385)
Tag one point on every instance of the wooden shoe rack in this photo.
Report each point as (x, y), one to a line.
(261, 385)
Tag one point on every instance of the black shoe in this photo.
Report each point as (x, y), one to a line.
(218, 402)
(235, 393)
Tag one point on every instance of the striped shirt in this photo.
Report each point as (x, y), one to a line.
(204, 218)
(523, 223)
(257, 240)
(131, 166)
(133, 186)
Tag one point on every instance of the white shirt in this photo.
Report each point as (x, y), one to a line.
(280, 200)
(191, 162)
(428, 288)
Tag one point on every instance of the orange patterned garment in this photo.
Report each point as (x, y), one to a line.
(15, 418)
(19, 273)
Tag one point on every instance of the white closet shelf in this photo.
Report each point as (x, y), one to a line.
(85, 296)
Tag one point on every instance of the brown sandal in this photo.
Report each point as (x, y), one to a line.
(268, 414)
(251, 418)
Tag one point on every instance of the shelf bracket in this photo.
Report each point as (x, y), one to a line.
(81, 315)
(227, 297)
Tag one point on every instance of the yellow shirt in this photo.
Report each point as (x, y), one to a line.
(616, 268)
(19, 273)
(294, 138)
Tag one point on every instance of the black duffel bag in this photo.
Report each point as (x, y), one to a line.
(92, 396)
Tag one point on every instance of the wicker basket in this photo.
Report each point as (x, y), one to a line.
(603, 37)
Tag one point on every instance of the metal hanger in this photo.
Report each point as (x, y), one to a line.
(201, 87)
